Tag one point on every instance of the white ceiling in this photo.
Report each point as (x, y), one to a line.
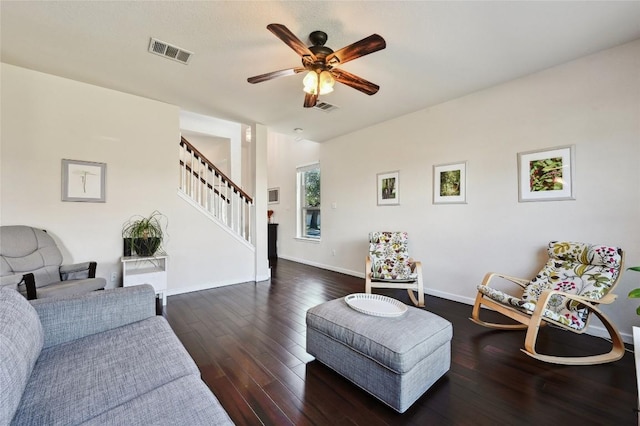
(436, 51)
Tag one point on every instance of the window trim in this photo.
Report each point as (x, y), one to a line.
(302, 209)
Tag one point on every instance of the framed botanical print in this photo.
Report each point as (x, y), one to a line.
(546, 174)
(450, 183)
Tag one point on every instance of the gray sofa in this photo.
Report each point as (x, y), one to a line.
(97, 358)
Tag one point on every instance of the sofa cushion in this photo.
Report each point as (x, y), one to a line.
(73, 317)
(21, 340)
(76, 381)
(185, 401)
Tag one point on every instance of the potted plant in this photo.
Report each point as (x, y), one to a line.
(143, 235)
(635, 294)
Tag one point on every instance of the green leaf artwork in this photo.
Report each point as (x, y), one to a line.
(546, 175)
(450, 183)
(389, 188)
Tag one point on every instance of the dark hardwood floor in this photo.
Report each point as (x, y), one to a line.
(249, 343)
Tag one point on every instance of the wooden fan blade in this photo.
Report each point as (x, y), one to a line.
(354, 81)
(310, 100)
(371, 44)
(291, 40)
(275, 74)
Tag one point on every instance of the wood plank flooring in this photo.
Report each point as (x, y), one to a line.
(249, 343)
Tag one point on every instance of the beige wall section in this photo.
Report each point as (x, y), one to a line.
(47, 118)
(592, 103)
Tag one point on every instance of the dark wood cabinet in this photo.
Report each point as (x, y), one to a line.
(273, 241)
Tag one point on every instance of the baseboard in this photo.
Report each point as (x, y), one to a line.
(204, 286)
(265, 277)
(209, 286)
(323, 266)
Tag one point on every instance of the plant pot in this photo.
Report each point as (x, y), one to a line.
(126, 243)
(146, 246)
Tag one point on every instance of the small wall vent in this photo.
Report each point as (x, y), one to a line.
(323, 106)
(169, 51)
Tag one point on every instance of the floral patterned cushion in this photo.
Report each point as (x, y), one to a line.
(576, 268)
(390, 257)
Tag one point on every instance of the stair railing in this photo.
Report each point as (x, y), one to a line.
(208, 187)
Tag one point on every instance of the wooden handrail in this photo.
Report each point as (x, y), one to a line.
(214, 169)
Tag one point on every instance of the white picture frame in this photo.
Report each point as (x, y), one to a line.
(546, 174)
(83, 181)
(388, 188)
(450, 183)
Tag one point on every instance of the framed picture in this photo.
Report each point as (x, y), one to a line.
(83, 181)
(450, 183)
(546, 174)
(273, 195)
(388, 188)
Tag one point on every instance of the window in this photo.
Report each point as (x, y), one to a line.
(309, 201)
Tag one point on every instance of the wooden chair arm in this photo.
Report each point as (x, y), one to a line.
(415, 265)
(519, 281)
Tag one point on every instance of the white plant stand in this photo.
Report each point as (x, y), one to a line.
(146, 270)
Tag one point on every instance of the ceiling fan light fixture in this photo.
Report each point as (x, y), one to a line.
(326, 82)
(318, 83)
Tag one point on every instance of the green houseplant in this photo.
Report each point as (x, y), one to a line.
(143, 235)
(635, 293)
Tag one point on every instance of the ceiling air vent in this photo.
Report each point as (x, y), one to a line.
(323, 106)
(169, 51)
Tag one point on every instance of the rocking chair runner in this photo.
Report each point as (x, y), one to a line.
(575, 280)
(388, 265)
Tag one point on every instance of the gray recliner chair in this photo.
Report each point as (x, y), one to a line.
(31, 263)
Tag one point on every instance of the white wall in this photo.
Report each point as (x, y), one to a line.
(592, 103)
(47, 118)
(283, 157)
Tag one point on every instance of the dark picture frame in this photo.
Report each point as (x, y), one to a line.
(388, 184)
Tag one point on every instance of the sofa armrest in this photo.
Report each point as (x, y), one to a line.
(69, 318)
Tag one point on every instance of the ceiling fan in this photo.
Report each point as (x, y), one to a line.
(321, 63)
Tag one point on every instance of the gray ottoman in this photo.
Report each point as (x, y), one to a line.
(394, 359)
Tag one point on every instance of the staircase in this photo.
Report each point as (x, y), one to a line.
(205, 186)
